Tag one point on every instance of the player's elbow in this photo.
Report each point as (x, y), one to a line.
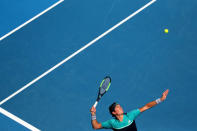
(96, 126)
(144, 108)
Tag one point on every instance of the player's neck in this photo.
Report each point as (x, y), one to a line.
(120, 117)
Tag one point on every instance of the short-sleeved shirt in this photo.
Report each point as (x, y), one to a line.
(128, 123)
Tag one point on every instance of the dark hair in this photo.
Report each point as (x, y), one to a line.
(112, 108)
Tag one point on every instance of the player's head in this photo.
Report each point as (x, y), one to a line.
(115, 109)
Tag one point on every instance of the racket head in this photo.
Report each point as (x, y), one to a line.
(104, 87)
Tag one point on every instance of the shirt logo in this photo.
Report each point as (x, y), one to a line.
(129, 121)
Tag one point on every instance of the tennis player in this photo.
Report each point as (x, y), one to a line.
(123, 121)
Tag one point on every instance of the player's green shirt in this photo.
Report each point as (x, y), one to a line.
(128, 119)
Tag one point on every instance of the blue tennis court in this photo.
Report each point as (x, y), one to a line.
(141, 59)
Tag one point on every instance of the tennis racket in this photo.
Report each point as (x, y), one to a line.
(104, 86)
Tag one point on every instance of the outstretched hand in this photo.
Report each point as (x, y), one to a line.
(165, 93)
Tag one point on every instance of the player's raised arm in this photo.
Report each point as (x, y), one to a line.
(153, 103)
(95, 123)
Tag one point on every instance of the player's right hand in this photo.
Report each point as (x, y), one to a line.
(93, 110)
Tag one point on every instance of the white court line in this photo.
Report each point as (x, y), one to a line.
(27, 22)
(78, 51)
(18, 120)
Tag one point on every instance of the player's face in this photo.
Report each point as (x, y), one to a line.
(119, 110)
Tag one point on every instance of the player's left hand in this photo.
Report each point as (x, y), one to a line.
(165, 93)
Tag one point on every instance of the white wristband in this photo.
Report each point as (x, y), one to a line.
(94, 117)
(158, 101)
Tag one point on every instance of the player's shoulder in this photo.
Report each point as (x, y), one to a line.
(113, 120)
(134, 110)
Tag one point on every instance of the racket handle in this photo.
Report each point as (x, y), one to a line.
(95, 104)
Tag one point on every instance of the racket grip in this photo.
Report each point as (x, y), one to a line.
(95, 104)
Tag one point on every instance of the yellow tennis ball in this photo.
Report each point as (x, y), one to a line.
(166, 31)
